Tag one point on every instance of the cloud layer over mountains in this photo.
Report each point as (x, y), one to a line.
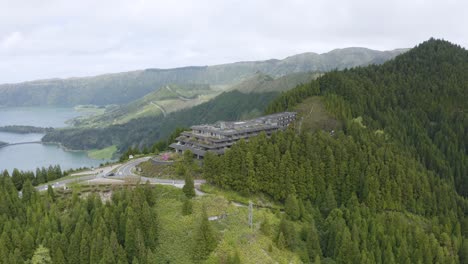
(53, 38)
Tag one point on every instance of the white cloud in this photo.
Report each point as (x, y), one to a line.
(59, 38)
(11, 40)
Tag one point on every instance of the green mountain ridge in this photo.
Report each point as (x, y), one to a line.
(121, 88)
(163, 101)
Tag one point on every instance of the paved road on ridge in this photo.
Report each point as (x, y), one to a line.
(128, 168)
(125, 170)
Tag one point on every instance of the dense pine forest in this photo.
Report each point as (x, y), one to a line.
(76, 230)
(419, 99)
(42, 175)
(392, 186)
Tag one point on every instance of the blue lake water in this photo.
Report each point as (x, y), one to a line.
(36, 116)
(31, 156)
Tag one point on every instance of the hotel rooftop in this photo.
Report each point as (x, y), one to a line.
(222, 135)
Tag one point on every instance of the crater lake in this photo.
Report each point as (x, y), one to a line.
(33, 155)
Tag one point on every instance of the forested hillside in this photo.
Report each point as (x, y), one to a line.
(383, 190)
(420, 99)
(88, 232)
(121, 88)
(146, 131)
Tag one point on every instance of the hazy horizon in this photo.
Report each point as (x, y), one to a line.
(183, 66)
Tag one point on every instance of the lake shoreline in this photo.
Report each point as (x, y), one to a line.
(4, 144)
(74, 150)
(28, 157)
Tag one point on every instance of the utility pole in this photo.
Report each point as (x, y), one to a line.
(250, 214)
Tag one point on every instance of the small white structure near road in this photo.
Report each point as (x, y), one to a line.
(130, 157)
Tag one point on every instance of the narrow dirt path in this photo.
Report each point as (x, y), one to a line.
(160, 108)
(181, 97)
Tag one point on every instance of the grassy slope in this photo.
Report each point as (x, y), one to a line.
(170, 98)
(233, 231)
(105, 153)
(314, 116)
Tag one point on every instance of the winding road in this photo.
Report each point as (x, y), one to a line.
(121, 172)
(127, 169)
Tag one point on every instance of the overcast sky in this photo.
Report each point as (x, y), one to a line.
(51, 38)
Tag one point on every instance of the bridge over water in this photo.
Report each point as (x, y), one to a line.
(21, 143)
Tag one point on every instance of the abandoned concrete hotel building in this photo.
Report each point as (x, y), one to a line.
(222, 135)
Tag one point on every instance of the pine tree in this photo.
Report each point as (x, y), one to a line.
(347, 251)
(59, 258)
(287, 229)
(73, 255)
(29, 193)
(27, 246)
(204, 239)
(17, 179)
(281, 241)
(189, 186)
(317, 260)
(147, 223)
(329, 202)
(140, 247)
(84, 247)
(51, 192)
(313, 242)
(51, 173)
(188, 159)
(130, 235)
(250, 182)
(291, 207)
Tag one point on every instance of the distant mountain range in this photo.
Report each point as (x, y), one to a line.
(122, 88)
